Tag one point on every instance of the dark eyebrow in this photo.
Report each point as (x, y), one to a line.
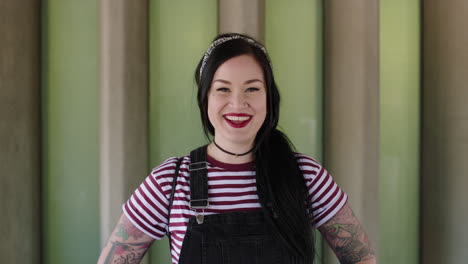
(223, 81)
(247, 82)
(252, 81)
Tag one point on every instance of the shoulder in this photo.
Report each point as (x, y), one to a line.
(303, 158)
(313, 171)
(160, 179)
(307, 164)
(164, 172)
(167, 165)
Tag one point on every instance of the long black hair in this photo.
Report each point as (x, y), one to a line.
(280, 184)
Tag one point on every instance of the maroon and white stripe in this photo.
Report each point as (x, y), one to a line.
(231, 188)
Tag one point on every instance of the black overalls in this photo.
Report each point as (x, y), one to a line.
(227, 238)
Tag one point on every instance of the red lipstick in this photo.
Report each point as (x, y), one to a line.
(237, 120)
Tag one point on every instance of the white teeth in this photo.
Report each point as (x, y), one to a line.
(238, 118)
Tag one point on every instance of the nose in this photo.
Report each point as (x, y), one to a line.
(238, 100)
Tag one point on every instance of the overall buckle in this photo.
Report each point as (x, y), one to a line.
(191, 206)
(197, 166)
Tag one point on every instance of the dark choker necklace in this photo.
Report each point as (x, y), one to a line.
(230, 153)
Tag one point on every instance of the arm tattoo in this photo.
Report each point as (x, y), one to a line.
(127, 230)
(347, 238)
(126, 253)
(127, 244)
(348, 247)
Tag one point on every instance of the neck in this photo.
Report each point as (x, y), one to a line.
(220, 153)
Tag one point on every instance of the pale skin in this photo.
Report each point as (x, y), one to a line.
(238, 87)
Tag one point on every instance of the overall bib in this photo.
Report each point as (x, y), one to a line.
(227, 238)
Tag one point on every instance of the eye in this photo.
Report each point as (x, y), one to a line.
(252, 89)
(222, 89)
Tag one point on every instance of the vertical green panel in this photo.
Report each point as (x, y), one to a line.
(180, 32)
(400, 124)
(293, 37)
(70, 131)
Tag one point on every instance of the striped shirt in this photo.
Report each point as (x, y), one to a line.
(231, 187)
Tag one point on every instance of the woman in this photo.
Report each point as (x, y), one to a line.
(246, 197)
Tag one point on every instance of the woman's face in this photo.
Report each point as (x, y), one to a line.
(237, 101)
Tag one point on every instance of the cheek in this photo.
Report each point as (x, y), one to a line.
(210, 112)
(262, 106)
(212, 109)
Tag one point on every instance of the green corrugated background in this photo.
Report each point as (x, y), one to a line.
(180, 32)
(293, 37)
(400, 126)
(70, 157)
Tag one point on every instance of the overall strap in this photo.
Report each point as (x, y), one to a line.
(171, 198)
(198, 179)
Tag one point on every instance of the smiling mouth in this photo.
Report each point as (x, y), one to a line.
(238, 121)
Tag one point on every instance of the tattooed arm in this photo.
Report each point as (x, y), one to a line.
(347, 238)
(126, 245)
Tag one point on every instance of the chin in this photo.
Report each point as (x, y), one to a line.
(241, 140)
